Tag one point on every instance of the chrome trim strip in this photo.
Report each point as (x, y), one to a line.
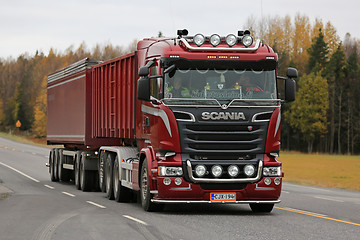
(257, 114)
(278, 121)
(158, 113)
(215, 180)
(216, 49)
(203, 201)
(192, 117)
(182, 188)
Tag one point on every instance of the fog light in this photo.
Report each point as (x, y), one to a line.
(233, 171)
(178, 181)
(167, 181)
(216, 170)
(277, 181)
(200, 170)
(249, 170)
(199, 39)
(215, 40)
(267, 181)
(231, 40)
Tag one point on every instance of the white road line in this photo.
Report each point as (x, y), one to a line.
(95, 204)
(135, 219)
(318, 214)
(284, 192)
(69, 194)
(20, 172)
(329, 199)
(48, 186)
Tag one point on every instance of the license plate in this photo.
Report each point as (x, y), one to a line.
(223, 197)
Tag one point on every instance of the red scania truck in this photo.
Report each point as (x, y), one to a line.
(189, 119)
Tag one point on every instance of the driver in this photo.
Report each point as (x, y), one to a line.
(177, 90)
(247, 85)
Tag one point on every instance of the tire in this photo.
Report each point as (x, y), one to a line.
(261, 207)
(52, 165)
(101, 172)
(109, 165)
(145, 194)
(56, 164)
(77, 171)
(121, 193)
(86, 177)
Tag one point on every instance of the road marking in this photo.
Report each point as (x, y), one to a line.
(135, 219)
(312, 213)
(48, 186)
(16, 150)
(20, 172)
(330, 199)
(69, 194)
(7, 148)
(284, 192)
(317, 215)
(95, 204)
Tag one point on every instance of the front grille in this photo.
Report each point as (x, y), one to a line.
(234, 140)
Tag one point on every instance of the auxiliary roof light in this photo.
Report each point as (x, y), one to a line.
(231, 40)
(199, 39)
(247, 40)
(215, 40)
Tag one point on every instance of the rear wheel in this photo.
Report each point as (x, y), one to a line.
(261, 207)
(56, 164)
(121, 193)
(77, 172)
(145, 194)
(52, 167)
(109, 165)
(101, 172)
(86, 177)
(64, 174)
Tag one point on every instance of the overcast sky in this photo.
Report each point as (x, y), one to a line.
(30, 25)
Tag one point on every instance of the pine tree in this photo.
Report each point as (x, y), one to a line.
(318, 54)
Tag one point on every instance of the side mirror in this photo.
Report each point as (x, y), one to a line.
(144, 71)
(290, 89)
(143, 89)
(292, 73)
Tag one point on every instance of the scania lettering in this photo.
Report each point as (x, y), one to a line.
(187, 119)
(223, 116)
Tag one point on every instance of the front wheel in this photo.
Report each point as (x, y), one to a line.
(261, 207)
(145, 194)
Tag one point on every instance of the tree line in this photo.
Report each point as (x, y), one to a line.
(325, 116)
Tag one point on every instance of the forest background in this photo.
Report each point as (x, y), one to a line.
(325, 116)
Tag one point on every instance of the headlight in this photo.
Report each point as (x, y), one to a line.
(231, 40)
(247, 40)
(215, 40)
(199, 39)
(233, 171)
(200, 170)
(272, 171)
(249, 170)
(216, 170)
(170, 171)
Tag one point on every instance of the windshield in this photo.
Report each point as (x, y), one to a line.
(222, 85)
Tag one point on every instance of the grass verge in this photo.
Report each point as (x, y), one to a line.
(324, 170)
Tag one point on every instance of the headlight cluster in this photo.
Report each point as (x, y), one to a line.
(231, 40)
(272, 171)
(218, 171)
(170, 171)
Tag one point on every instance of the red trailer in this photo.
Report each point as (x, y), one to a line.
(181, 120)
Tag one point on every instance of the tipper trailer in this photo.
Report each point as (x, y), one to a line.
(180, 120)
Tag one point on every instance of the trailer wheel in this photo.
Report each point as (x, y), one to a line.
(145, 194)
(77, 171)
(52, 167)
(86, 177)
(101, 172)
(109, 165)
(261, 207)
(121, 193)
(56, 164)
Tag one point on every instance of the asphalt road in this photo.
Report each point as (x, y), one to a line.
(33, 207)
